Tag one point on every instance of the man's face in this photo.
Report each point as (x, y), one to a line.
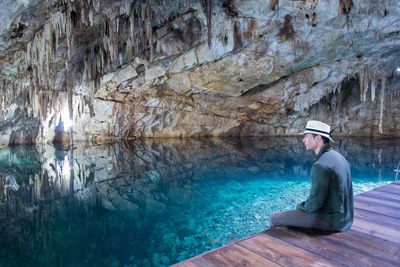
(310, 142)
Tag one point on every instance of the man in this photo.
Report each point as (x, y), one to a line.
(329, 206)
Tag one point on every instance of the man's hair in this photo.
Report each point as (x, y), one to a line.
(325, 140)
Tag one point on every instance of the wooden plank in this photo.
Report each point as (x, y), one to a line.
(373, 233)
(377, 208)
(373, 245)
(390, 190)
(235, 255)
(385, 231)
(393, 184)
(195, 262)
(283, 253)
(390, 203)
(341, 252)
(381, 195)
(378, 218)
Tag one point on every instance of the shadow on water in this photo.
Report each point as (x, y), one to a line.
(155, 202)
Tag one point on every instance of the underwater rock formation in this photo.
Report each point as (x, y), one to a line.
(107, 70)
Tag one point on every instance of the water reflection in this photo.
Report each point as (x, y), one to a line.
(154, 202)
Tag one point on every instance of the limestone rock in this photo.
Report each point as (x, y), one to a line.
(128, 69)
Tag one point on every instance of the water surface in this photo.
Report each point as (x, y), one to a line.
(157, 202)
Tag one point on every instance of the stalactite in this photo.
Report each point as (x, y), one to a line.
(383, 88)
(344, 6)
(81, 15)
(125, 8)
(69, 36)
(41, 50)
(273, 4)
(128, 31)
(32, 97)
(339, 88)
(341, 7)
(44, 104)
(347, 5)
(70, 94)
(91, 16)
(112, 41)
(209, 15)
(373, 86)
(361, 82)
(82, 104)
(364, 84)
(55, 100)
(96, 4)
(132, 23)
(149, 30)
(3, 87)
(368, 79)
(129, 49)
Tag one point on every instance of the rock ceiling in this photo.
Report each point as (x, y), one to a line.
(107, 70)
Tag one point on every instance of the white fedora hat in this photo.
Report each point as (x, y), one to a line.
(318, 127)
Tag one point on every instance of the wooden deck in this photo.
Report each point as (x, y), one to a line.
(373, 240)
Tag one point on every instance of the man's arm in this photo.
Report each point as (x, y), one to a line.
(319, 189)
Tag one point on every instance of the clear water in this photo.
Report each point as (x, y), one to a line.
(157, 202)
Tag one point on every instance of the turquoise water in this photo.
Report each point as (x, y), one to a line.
(157, 202)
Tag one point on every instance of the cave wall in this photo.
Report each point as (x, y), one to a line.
(110, 70)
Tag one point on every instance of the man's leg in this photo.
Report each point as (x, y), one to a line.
(297, 218)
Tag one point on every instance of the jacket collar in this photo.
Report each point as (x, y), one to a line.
(324, 149)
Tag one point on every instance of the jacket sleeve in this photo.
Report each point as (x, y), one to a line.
(320, 176)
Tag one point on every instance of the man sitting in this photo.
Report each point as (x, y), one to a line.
(329, 205)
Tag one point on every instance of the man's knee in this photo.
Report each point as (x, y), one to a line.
(273, 220)
(285, 218)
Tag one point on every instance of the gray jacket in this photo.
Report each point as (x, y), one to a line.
(331, 194)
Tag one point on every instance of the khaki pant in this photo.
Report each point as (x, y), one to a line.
(298, 218)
